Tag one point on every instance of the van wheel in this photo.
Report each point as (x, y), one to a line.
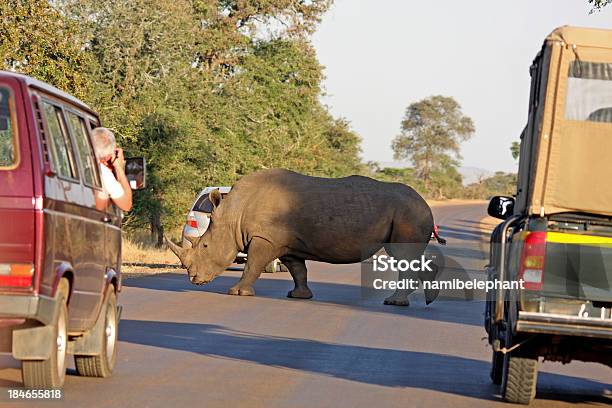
(102, 365)
(519, 379)
(271, 267)
(497, 367)
(51, 373)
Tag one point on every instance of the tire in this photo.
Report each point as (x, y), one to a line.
(102, 365)
(51, 373)
(497, 367)
(271, 267)
(519, 380)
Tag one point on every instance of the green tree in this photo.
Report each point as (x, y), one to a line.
(36, 39)
(515, 149)
(499, 184)
(207, 90)
(405, 176)
(178, 163)
(431, 133)
(446, 181)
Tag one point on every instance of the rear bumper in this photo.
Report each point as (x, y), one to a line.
(30, 341)
(529, 322)
(40, 308)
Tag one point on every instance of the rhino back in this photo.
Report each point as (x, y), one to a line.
(322, 218)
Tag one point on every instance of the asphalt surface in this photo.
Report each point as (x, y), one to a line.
(183, 345)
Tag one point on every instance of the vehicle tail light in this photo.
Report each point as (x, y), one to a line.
(191, 220)
(532, 260)
(16, 275)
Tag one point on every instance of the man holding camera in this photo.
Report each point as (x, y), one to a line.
(115, 184)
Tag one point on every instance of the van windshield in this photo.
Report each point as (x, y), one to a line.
(589, 92)
(8, 151)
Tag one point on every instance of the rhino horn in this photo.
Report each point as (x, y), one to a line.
(178, 251)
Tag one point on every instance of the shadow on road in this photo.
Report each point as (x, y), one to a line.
(338, 294)
(385, 367)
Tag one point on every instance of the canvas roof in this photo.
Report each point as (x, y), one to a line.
(566, 163)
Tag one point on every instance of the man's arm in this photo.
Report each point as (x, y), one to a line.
(102, 201)
(125, 201)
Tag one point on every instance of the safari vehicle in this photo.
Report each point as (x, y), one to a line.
(60, 253)
(557, 231)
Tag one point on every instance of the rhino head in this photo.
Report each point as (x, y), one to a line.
(210, 254)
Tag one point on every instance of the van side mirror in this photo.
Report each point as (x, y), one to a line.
(136, 172)
(501, 207)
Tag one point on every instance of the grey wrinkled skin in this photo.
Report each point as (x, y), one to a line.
(282, 214)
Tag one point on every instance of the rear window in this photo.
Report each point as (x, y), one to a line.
(204, 205)
(589, 92)
(8, 136)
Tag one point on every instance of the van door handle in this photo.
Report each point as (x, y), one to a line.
(107, 219)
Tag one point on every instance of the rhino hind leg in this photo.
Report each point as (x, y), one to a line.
(260, 254)
(402, 248)
(400, 296)
(430, 294)
(298, 271)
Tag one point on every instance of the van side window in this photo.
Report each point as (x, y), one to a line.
(8, 151)
(85, 150)
(61, 145)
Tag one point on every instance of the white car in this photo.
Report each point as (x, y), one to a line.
(198, 220)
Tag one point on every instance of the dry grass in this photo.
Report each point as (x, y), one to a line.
(139, 249)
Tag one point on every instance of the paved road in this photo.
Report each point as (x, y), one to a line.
(183, 345)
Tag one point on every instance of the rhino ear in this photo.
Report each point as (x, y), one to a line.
(215, 198)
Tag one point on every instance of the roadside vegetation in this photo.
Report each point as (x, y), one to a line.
(210, 90)
(206, 90)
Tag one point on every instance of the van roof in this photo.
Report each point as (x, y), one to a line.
(580, 36)
(43, 86)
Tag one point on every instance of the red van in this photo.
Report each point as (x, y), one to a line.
(60, 256)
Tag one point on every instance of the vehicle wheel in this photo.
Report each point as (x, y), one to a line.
(271, 267)
(51, 373)
(519, 379)
(497, 367)
(103, 364)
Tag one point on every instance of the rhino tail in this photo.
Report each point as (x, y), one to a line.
(440, 240)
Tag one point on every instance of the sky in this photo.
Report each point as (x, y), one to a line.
(382, 55)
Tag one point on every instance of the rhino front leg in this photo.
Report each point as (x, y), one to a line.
(260, 253)
(298, 271)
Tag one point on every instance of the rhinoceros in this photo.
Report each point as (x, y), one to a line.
(281, 214)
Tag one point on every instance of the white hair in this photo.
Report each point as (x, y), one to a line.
(104, 142)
